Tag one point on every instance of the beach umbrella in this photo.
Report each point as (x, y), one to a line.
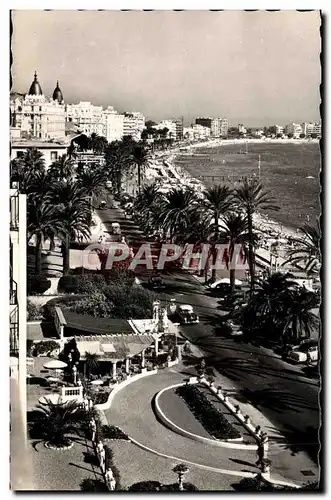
(55, 364)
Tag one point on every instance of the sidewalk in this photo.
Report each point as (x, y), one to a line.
(282, 458)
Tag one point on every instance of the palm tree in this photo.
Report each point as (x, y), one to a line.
(74, 209)
(118, 161)
(55, 422)
(44, 222)
(235, 233)
(266, 306)
(250, 197)
(298, 319)
(91, 181)
(62, 168)
(146, 206)
(91, 362)
(180, 470)
(174, 210)
(307, 249)
(98, 143)
(217, 201)
(29, 171)
(141, 159)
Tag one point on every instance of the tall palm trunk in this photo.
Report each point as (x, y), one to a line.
(214, 253)
(232, 280)
(139, 178)
(38, 254)
(251, 256)
(65, 254)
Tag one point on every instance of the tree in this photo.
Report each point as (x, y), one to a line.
(29, 172)
(180, 470)
(44, 222)
(146, 206)
(55, 422)
(250, 197)
(118, 161)
(74, 211)
(91, 362)
(307, 249)
(298, 319)
(91, 181)
(302, 136)
(290, 135)
(174, 209)
(217, 202)
(141, 159)
(62, 168)
(234, 232)
(313, 135)
(97, 143)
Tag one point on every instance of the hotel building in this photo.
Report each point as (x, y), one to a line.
(293, 128)
(133, 124)
(35, 116)
(87, 117)
(113, 124)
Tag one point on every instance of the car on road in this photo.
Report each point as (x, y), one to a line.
(115, 228)
(303, 352)
(156, 282)
(186, 314)
(102, 205)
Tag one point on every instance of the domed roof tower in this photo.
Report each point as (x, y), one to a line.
(35, 88)
(57, 94)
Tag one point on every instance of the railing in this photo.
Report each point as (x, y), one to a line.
(14, 213)
(14, 333)
(13, 292)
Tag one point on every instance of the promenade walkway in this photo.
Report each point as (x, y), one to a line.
(140, 423)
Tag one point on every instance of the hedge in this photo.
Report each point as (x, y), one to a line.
(37, 284)
(211, 419)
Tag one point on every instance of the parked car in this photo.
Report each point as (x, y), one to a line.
(303, 352)
(102, 205)
(115, 228)
(187, 315)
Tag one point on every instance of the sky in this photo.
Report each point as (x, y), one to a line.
(256, 68)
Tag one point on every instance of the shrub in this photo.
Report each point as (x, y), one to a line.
(68, 283)
(90, 283)
(211, 418)
(119, 276)
(29, 347)
(113, 432)
(146, 486)
(90, 484)
(37, 284)
(44, 347)
(109, 463)
(174, 487)
(34, 311)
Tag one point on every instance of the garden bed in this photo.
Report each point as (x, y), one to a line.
(178, 412)
(213, 421)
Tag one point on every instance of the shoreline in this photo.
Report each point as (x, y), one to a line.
(262, 222)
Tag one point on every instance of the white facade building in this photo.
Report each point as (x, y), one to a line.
(50, 150)
(35, 116)
(133, 124)
(88, 118)
(279, 129)
(309, 128)
(170, 125)
(224, 126)
(113, 124)
(293, 128)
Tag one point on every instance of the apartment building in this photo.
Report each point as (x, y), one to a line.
(309, 128)
(279, 129)
(212, 123)
(19, 462)
(51, 150)
(133, 124)
(87, 117)
(171, 125)
(224, 127)
(113, 124)
(293, 128)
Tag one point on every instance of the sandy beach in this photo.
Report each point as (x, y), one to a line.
(165, 160)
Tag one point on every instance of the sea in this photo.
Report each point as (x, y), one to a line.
(289, 171)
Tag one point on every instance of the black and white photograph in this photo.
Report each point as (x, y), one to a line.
(165, 250)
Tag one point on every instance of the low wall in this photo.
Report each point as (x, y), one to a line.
(41, 300)
(129, 380)
(234, 444)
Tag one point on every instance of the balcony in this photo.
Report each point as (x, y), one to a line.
(14, 212)
(13, 339)
(13, 293)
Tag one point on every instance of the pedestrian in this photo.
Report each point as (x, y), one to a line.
(260, 453)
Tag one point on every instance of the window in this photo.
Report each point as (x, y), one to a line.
(53, 156)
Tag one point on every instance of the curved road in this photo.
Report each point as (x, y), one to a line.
(279, 390)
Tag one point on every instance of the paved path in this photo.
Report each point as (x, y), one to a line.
(140, 423)
(286, 398)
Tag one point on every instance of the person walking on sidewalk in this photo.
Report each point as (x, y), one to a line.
(261, 451)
